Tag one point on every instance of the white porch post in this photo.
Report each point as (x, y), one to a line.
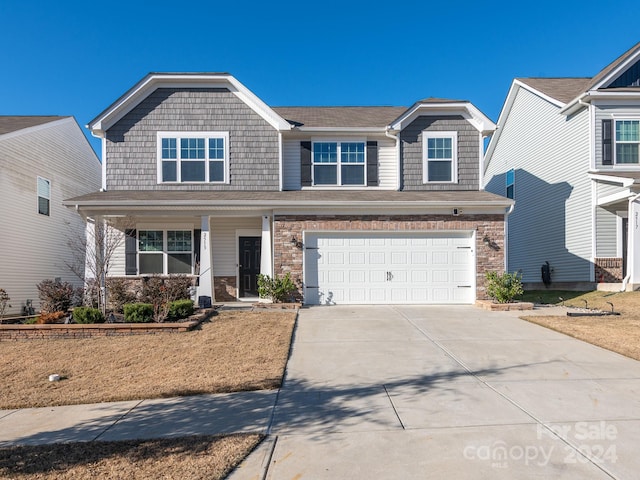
(265, 247)
(633, 244)
(205, 288)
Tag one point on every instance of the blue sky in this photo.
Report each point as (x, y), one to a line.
(76, 58)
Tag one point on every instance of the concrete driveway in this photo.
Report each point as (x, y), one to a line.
(417, 392)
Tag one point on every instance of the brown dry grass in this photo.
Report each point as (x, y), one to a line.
(620, 334)
(235, 351)
(202, 457)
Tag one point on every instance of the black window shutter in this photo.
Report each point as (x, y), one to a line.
(130, 264)
(607, 135)
(372, 164)
(305, 164)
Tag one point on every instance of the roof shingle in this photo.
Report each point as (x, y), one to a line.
(336, 117)
(13, 123)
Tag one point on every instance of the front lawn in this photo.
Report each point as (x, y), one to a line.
(619, 333)
(235, 351)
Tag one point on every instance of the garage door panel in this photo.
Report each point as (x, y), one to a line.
(389, 267)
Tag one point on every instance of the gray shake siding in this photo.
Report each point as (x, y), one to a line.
(132, 150)
(468, 153)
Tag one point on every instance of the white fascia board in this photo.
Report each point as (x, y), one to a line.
(154, 81)
(624, 181)
(613, 74)
(504, 113)
(467, 110)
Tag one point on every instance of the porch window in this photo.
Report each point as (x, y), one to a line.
(193, 157)
(165, 251)
(627, 136)
(339, 163)
(439, 157)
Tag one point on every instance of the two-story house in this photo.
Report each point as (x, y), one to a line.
(43, 160)
(360, 204)
(568, 151)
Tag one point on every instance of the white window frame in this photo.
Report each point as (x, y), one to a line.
(614, 143)
(181, 135)
(165, 229)
(38, 196)
(426, 135)
(338, 164)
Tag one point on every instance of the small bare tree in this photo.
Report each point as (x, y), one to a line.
(92, 255)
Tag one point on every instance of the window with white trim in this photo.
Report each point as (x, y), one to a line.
(201, 157)
(165, 251)
(44, 196)
(440, 155)
(627, 138)
(339, 163)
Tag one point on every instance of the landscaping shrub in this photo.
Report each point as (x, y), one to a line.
(277, 289)
(138, 313)
(119, 293)
(504, 287)
(57, 296)
(160, 292)
(87, 315)
(180, 309)
(52, 317)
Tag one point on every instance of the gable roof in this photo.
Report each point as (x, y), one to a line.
(13, 123)
(154, 80)
(611, 71)
(336, 117)
(563, 89)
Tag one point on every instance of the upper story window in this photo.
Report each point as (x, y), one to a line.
(165, 251)
(201, 157)
(44, 196)
(339, 163)
(627, 141)
(439, 157)
(510, 183)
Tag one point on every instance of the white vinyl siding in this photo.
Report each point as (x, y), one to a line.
(552, 218)
(34, 247)
(606, 233)
(224, 242)
(387, 164)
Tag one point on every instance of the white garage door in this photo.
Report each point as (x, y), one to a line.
(365, 268)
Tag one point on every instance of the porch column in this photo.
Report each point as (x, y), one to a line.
(265, 247)
(633, 244)
(205, 287)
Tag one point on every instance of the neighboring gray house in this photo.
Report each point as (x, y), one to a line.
(567, 151)
(43, 160)
(359, 204)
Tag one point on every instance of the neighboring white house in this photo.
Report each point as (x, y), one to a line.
(43, 159)
(567, 150)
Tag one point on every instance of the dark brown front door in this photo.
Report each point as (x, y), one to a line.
(249, 266)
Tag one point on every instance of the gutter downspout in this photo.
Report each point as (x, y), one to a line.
(396, 137)
(630, 249)
(506, 235)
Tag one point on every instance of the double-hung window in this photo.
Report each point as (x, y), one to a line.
(201, 157)
(165, 251)
(627, 136)
(510, 180)
(339, 163)
(44, 196)
(440, 152)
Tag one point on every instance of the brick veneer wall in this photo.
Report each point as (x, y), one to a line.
(288, 257)
(608, 270)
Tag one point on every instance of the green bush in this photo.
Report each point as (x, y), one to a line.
(138, 313)
(504, 287)
(277, 289)
(180, 309)
(87, 315)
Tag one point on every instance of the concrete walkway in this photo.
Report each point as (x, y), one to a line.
(402, 392)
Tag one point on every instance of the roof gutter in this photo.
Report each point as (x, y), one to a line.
(576, 104)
